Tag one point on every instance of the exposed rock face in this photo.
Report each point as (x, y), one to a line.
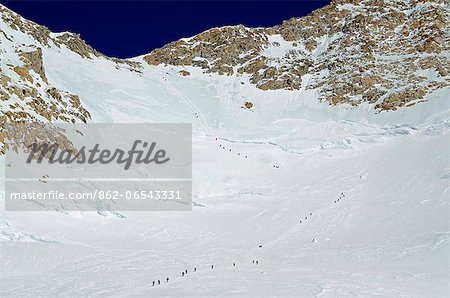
(29, 98)
(184, 73)
(26, 95)
(16, 22)
(25, 91)
(76, 44)
(33, 61)
(22, 136)
(353, 50)
(229, 50)
(43, 36)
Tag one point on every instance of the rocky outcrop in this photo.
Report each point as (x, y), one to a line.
(31, 99)
(16, 22)
(353, 50)
(26, 93)
(76, 45)
(33, 61)
(28, 96)
(22, 136)
(388, 53)
(42, 34)
(184, 73)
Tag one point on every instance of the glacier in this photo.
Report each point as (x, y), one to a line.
(332, 201)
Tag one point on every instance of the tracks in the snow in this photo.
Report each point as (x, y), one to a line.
(205, 268)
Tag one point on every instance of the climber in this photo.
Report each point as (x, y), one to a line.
(182, 273)
(234, 264)
(256, 262)
(185, 271)
(153, 283)
(212, 266)
(159, 282)
(195, 269)
(167, 279)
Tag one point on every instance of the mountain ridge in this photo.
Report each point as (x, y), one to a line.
(385, 53)
(346, 47)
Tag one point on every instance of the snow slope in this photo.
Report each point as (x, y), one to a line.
(389, 235)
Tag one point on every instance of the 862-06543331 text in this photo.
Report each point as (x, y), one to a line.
(99, 195)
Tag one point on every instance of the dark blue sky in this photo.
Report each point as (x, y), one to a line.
(131, 28)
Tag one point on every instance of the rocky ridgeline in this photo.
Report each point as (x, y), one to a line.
(388, 53)
(43, 35)
(70, 40)
(26, 95)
